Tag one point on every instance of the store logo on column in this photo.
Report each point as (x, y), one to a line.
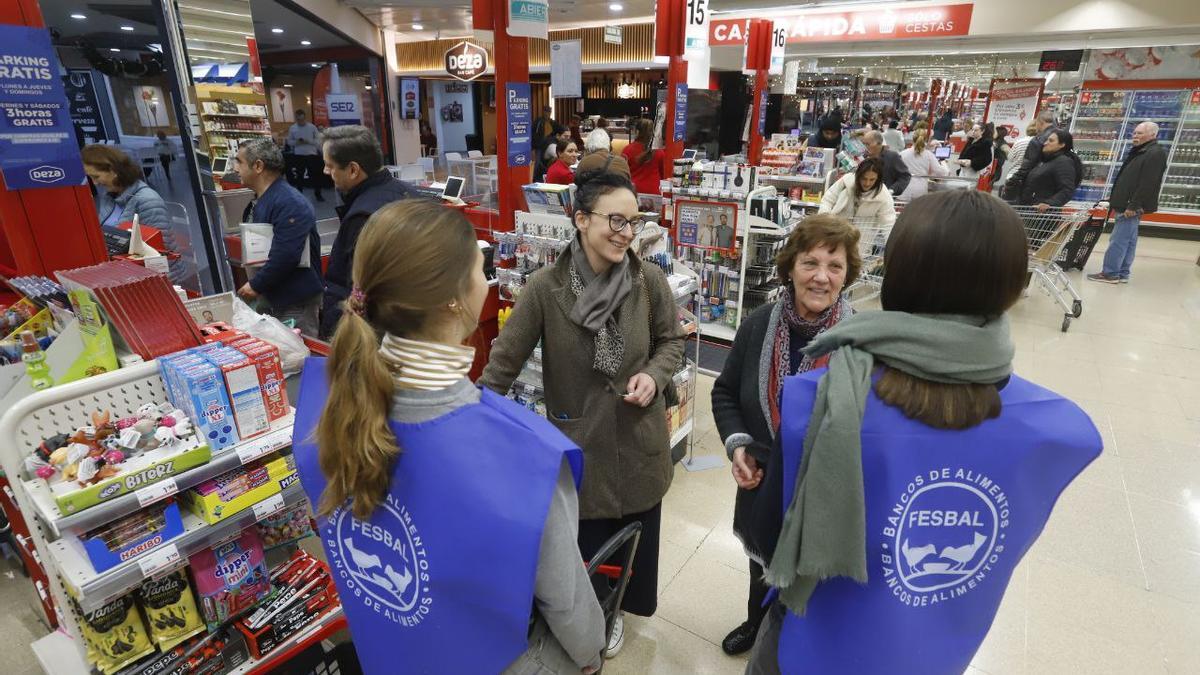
(944, 536)
(382, 561)
(47, 174)
(466, 61)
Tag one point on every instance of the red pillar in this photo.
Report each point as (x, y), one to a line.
(758, 59)
(46, 229)
(511, 57)
(676, 74)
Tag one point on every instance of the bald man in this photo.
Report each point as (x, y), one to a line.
(1133, 193)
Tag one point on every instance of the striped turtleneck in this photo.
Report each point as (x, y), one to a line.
(428, 366)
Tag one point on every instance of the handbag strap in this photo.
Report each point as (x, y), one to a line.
(649, 311)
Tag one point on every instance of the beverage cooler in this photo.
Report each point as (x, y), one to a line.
(1106, 114)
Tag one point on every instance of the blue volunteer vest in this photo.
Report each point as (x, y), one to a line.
(949, 515)
(440, 579)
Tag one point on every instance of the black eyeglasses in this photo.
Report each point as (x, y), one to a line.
(617, 222)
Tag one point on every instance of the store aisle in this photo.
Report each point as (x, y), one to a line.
(1111, 587)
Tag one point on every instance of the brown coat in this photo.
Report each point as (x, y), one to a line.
(595, 160)
(627, 458)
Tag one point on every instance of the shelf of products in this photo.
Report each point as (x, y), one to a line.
(1103, 127)
(229, 116)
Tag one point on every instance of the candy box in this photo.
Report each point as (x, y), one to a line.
(150, 467)
(114, 543)
(203, 387)
(245, 393)
(270, 374)
(286, 526)
(230, 577)
(231, 492)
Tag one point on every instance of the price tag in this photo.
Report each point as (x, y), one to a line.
(268, 507)
(252, 450)
(153, 493)
(160, 560)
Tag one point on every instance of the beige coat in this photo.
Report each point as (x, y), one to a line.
(627, 458)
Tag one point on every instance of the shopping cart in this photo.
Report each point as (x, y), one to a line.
(1048, 232)
(873, 236)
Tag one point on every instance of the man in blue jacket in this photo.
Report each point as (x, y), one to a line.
(354, 160)
(290, 281)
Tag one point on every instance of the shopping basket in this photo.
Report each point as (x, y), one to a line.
(1048, 233)
(872, 241)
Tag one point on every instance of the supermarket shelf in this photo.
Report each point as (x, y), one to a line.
(95, 589)
(58, 655)
(811, 180)
(1099, 119)
(1186, 166)
(682, 433)
(329, 624)
(253, 117)
(253, 132)
(230, 458)
(1179, 186)
(717, 330)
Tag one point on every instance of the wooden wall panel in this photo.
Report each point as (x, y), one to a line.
(637, 45)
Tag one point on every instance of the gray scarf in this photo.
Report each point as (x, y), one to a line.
(597, 299)
(824, 528)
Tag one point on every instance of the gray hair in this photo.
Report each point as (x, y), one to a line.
(263, 150)
(873, 137)
(1046, 117)
(1151, 127)
(597, 140)
(353, 143)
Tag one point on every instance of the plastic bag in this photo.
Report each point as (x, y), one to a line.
(292, 350)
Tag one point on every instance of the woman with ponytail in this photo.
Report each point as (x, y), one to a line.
(922, 164)
(437, 537)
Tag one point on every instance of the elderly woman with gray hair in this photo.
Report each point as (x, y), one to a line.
(598, 156)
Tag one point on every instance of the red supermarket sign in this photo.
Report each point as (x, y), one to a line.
(881, 23)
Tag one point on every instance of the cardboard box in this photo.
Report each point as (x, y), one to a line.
(265, 357)
(132, 479)
(288, 622)
(219, 498)
(104, 558)
(202, 390)
(240, 376)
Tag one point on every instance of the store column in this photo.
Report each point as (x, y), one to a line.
(511, 57)
(669, 41)
(758, 59)
(45, 229)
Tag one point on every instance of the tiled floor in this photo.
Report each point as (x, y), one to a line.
(1113, 585)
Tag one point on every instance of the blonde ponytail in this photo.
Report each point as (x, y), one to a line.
(357, 447)
(920, 138)
(410, 264)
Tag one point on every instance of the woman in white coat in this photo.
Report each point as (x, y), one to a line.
(922, 164)
(862, 199)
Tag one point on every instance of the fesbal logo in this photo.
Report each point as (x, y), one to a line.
(47, 174)
(466, 61)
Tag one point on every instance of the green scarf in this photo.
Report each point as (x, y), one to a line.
(824, 528)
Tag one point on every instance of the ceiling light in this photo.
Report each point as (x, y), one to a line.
(113, 49)
(126, 27)
(305, 42)
(277, 30)
(616, 7)
(316, 65)
(367, 87)
(417, 26)
(288, 86)
(78, 16)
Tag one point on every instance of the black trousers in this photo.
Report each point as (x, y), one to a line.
(315, 167)
(758, 594)
(641, 596)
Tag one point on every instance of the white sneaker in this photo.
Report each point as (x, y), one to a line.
(616, 639)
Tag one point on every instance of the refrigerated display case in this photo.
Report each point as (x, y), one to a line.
(1106, 114)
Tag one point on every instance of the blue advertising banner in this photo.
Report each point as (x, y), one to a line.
(762, 113)
(519, 109)
(681, 102)
(37, 139)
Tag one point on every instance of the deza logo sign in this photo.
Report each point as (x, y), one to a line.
(47, 174)
(466, 61)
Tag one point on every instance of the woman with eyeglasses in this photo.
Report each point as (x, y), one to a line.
(611, 343)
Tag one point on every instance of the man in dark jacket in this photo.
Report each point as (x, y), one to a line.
(895, 172)
(354, 160)
(290, 280)
(1033, 155)
(1135, 192)
(943, 126)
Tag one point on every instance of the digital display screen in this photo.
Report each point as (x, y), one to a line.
(942, 152)
(1067, 60)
